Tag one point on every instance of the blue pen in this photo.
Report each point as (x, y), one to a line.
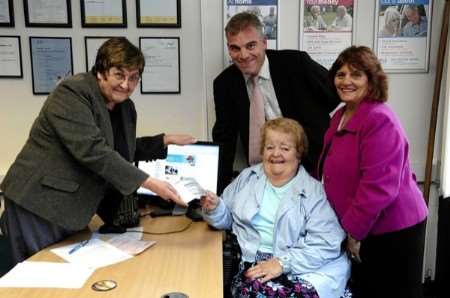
(78, 246)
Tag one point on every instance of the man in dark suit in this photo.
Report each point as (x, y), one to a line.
(80, 148)
(292, 85)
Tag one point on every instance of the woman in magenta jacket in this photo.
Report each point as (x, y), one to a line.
(367, 177)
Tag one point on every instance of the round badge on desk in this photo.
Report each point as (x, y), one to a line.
(175, 295)
(104, 285)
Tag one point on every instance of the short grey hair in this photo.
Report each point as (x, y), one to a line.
(243, 20)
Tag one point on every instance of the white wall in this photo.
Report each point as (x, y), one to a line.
(192, 111)
(185, 112)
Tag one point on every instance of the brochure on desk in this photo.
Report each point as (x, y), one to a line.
(191, 169)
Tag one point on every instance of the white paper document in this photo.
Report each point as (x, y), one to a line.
(30, 274)
(94, 254)
(135, 233)
(188, 189)
(130, 242)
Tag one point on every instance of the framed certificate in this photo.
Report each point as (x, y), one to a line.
(162, 65)
(92, 44)
(10, 57)
(103, 13)
(51, 62)
(6, 13)
(47, 13)
(402, 35)
(158, 13)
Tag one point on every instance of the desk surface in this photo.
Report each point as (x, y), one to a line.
(189, 262)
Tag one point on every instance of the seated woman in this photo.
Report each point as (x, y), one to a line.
(289, 235)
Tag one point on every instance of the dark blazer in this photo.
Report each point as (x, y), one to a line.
(65, 165)
(303, 91)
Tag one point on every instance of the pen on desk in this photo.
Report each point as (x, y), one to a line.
(78, 246)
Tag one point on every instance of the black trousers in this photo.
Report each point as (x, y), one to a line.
(392, 264)
(28, 233)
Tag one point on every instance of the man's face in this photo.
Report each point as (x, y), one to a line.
(412, 15)
(247, 49)
(117, 84)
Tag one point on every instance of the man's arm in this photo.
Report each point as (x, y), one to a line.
(225, 130)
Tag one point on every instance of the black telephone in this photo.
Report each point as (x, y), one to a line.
(118, 212)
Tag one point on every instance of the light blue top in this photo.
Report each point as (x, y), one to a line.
(264, 220)
(416, 30)
(307, 235)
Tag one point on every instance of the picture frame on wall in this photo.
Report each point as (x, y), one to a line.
(326, 28)
(92, 44)
(158, 13)
(402, 35)
(267, 12)
(103, 13)
(51, 62)
(10, 57)
(161, 74)
(47, 13)
(6, 13)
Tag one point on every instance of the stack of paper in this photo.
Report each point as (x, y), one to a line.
(46, 275)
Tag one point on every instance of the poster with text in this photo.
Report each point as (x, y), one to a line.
(326, 28)
(267, 12)
(402, 35)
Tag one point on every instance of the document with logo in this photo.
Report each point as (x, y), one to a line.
(190, 169)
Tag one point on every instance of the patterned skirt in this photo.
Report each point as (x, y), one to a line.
(282, 286)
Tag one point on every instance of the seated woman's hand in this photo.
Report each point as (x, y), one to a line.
(164, 190)
(265, 270)
(353, 247)
(209, 202)
(178, 139)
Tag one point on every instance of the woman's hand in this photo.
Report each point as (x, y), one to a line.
(178, 139)
(209, 202)
(353, 247)
(164, 190)
(265, 270)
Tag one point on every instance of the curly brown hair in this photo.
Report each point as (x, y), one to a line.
(363, 59)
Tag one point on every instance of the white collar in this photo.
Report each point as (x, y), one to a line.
(264, 72)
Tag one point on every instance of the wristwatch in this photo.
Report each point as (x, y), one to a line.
(284, 263)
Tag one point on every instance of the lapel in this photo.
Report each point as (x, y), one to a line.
(280, 82)
(296, 193)
(99, 102)
(128, 127)
(256, 192)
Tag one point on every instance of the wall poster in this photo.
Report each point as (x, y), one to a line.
(402, 35)
(326, 28)
(267, 12)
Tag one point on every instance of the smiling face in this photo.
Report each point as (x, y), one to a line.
(412, 15)
(280, 157)
(247, 49)
(116, 85)
(352, 85)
